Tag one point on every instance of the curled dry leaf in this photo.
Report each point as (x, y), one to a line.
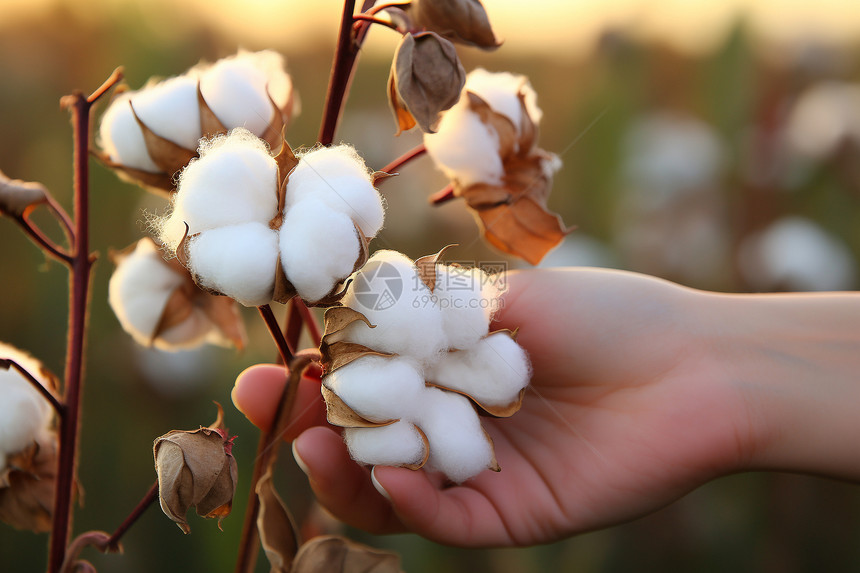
(337, 353)
(196, 469)
(461, 21)
(426, 79)
(17, 197)
(513, 214)
(426, 266)
(278, 533)
(27, 486)
(334, 554)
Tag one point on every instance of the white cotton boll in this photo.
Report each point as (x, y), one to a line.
(396, 444)
(501, 91)
(492, 372)
(379, 388)
(468, 297)
(458, 446)
(24, 413)
(796, 254)
(465, 148)
(824, 116)
(170, 110)
(319, 248)
(195, 330)
(338, 177)
(237, 89)
(388, 291)
(239, 261)
(139, 288)
(121, 138)
(234, 181)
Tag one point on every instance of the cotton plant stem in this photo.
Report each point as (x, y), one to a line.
(346, 54)
(392, 167)
(45, 392)
(43, 242)
(81, 266)
(310, 322)
(148, 499)
(442, 196)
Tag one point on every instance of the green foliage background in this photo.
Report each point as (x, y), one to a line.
(752, 522)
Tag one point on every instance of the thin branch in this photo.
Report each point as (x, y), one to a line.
(148, 499)
(43, 241)
(374, 20)
(310, 322)
(275, 330)
(62, 217)
(44, 391)
(345, 55)
(442, 196)
(392, 167)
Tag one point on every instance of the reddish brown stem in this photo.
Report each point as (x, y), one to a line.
(392, 167)
(46, 393)
(284, 348)
(310, 321)
(442, 196)
(81, 266)
(148, 499)
(346, 53)
(293, 327)
(43, 242)
(374, 20)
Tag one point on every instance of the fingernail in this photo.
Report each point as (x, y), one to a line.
(377, 485)
(299, 461)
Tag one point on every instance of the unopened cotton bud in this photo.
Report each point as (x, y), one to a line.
(234, 181)
(24, 412)
(389, 292)
(195, 469)
(459, 448)
(239, 261)
(468, 297)
(319, 248)
(397, 444)
(379, 388)
(240, 89)
(338, 177)
(492, 372)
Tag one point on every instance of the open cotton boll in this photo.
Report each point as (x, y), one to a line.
(465, 148)
(170, 109)
(388, 291)
(396, 444)
(234, 181)
(492, 372)
(121, 138)
(195, 330)
(379, 388)
(338, 177)
(501, 91)
(139, 288)
(319, 248)
(238, 89)
(239, 261)
(468, 297)
(24, 413)
(458, 446)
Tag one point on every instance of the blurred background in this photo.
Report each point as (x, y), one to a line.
(716, 144)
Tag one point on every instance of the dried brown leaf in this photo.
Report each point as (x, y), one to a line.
(338, 413)
(338, 354)
(427, 77)
(17, 196)
(278, 534)
(334, 554)
(426, 266)
(27, 487)
(337, 318)
(461, 21)
(524, 228)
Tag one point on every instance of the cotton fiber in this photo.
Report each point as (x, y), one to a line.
(392, 445)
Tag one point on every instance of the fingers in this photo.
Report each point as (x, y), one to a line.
(461, 515)
(342, 486)
(257, 393)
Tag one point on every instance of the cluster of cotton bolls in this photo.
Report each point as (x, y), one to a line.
(470, 150)
(234, 234)
(158, 304)
(250, 90)
(25, 415)
(429, 357)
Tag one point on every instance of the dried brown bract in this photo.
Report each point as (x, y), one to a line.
(27, 486)
(461, 21)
